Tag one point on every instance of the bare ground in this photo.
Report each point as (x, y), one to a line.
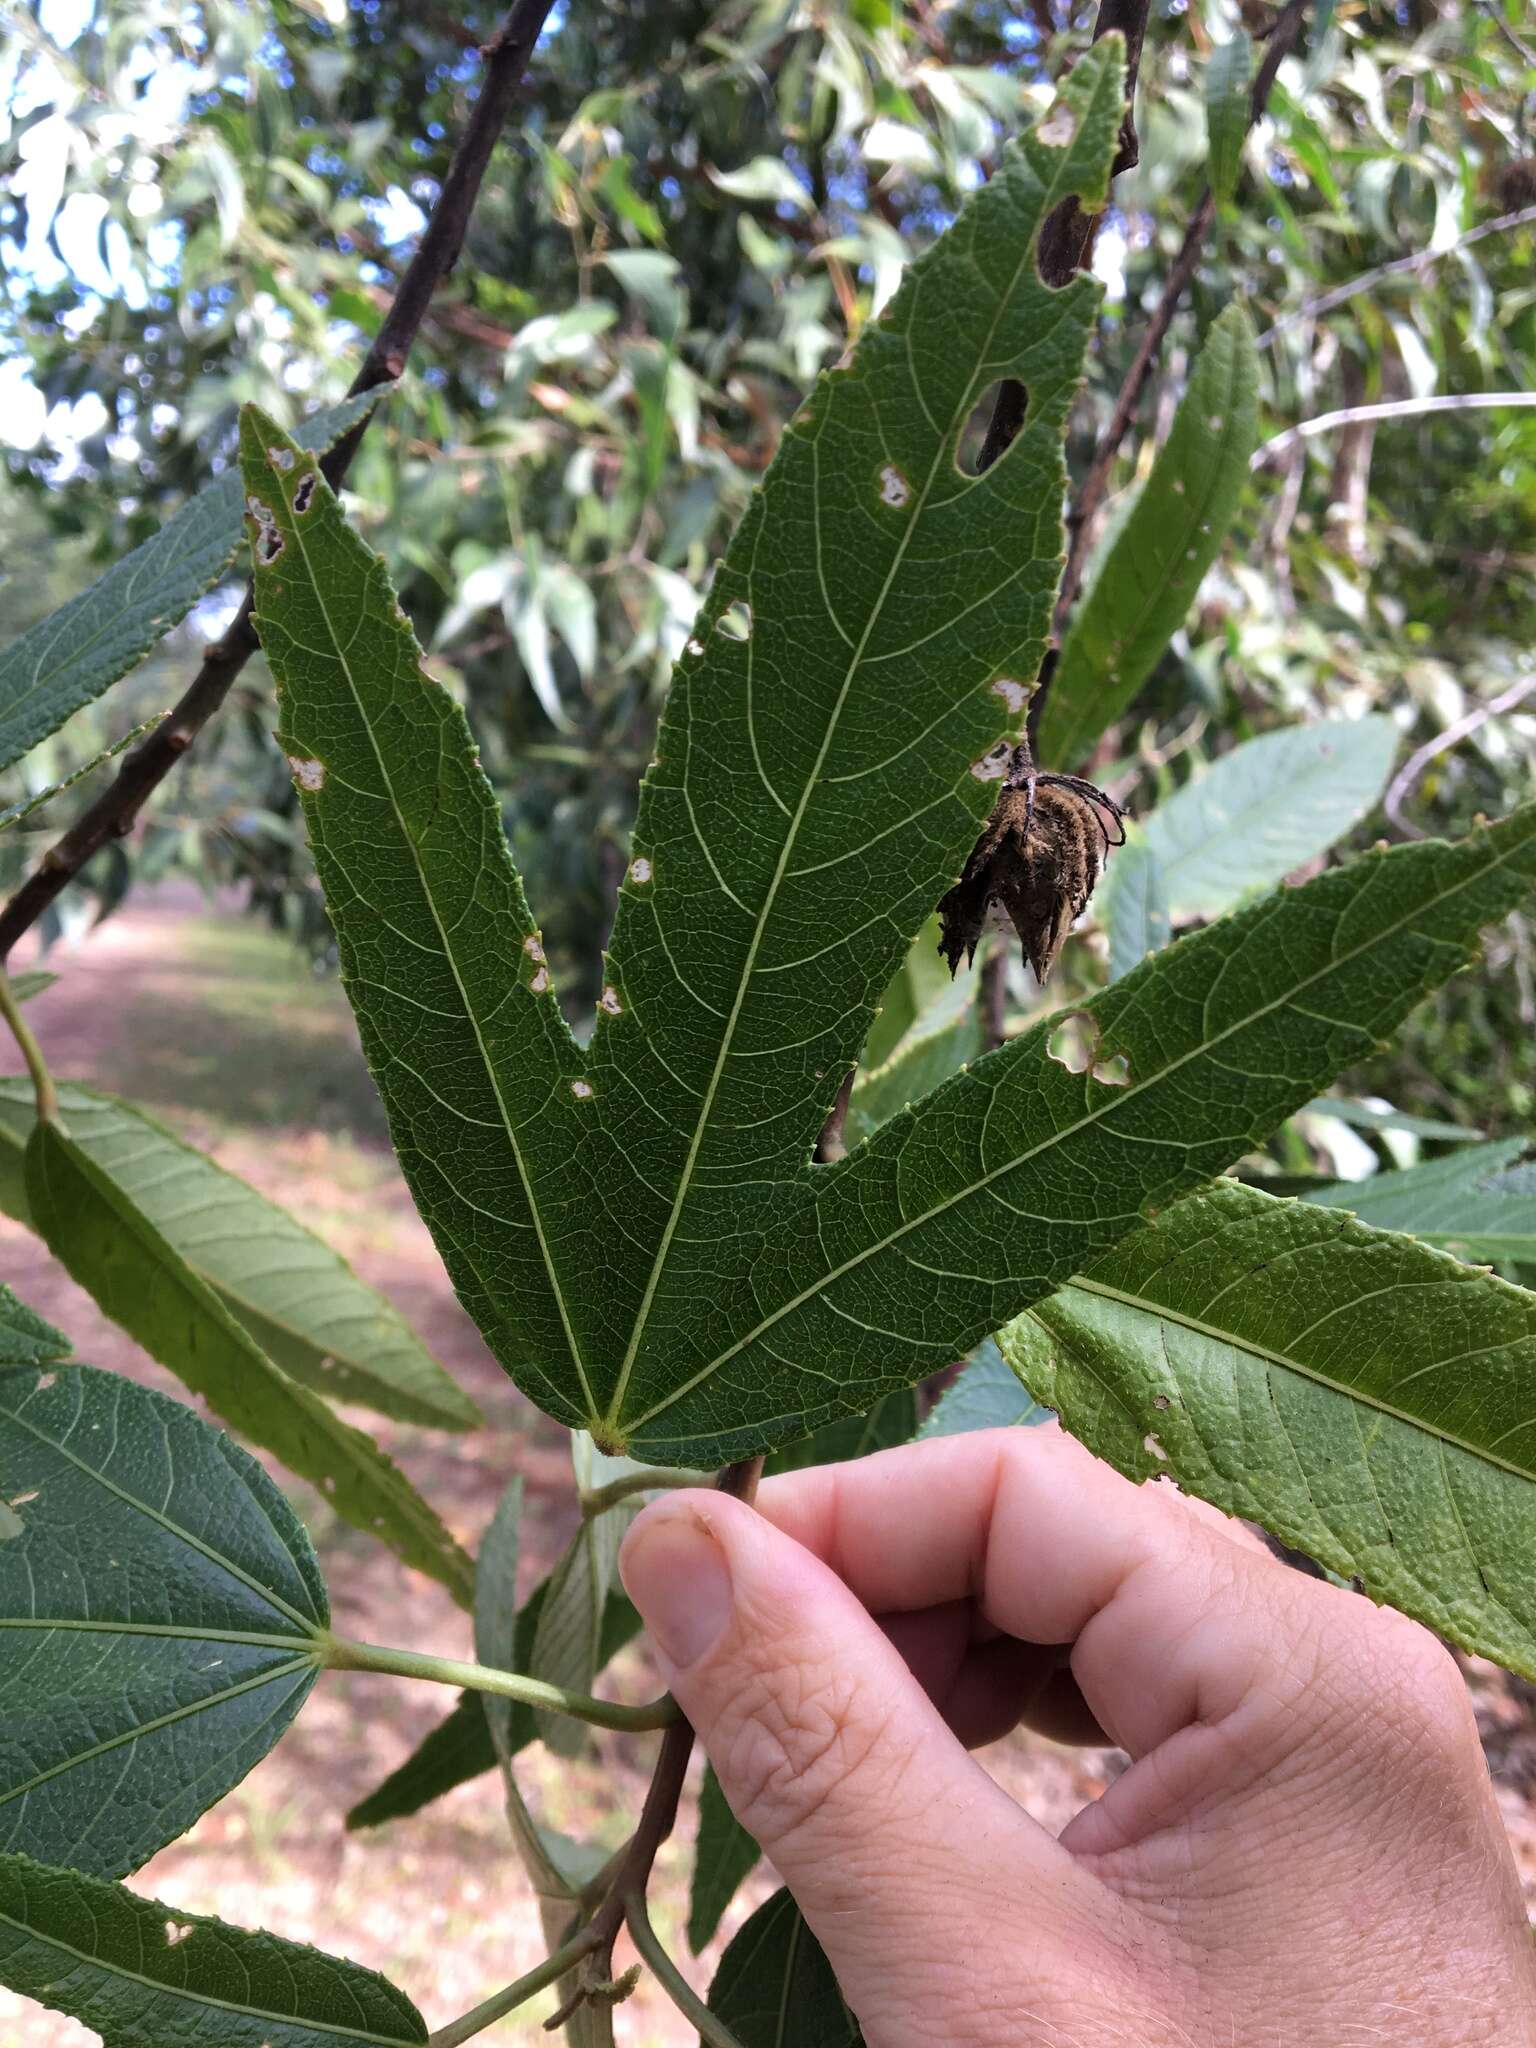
(218, 1029)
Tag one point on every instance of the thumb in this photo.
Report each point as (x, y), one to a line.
(892, 1839)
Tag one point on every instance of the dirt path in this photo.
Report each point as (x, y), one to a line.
(218, 1029)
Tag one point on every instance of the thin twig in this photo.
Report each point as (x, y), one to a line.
(1388, 409)
(1420, 261)
(500, 2003)
(113, 813)
(339, 1653)
(45, 1094)
(1442, 742)
(713, 2031)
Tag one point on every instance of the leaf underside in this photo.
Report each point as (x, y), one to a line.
(160, 1606)
(1480, 1202)
(1370, 1399)
(776, 1969)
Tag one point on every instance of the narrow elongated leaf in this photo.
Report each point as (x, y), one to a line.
(818, 784)
(25, 1339)
(81, 649)
(986, 1395)
(724, 1855)
(943, 1038)
(496, 1616)
(567, 1646)
(1369, 1399)
(31, 982)
(775, 1985)
(160, 1610)
(15, 813)
(1479, 1203)
(921, 978)
(459, 1747)
(1133, 905)
(298, 1299)
(1367, 1116)
(1262, 811)
(144, 1975)
(1147, 580)
(116, 1253)
(1228, 76)
(993, 1191)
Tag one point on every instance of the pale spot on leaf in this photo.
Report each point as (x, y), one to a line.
(582, 1090)
(609, 1002)
(895, 491)
(1059, 126)
(540, 981)
(1012, 693)
(307, 774)
(640, 869)
(533, 949)
(993, 766)
(1151, 1444)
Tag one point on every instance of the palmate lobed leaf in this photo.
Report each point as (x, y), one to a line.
(160, 1617)
(298, 1299)
(814, 793)
(1367, 1398)
(143, 1975)
(80, 650)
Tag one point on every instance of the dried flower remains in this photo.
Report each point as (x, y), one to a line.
(1036, 865)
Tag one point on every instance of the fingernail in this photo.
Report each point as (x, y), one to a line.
(676, 1574)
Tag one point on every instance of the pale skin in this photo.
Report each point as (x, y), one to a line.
(1304, 1852)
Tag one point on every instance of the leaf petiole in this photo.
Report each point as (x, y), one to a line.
(652, 1479)
(500, 2003)
(338, 1653)
(42, 1081)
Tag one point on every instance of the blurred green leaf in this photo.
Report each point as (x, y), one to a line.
(1228, 79)
(1479, 1202)
(986, 1394)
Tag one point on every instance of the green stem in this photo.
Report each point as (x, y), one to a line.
(42, 1081)
(713, 2032)
(550, 1971)
(653, 1479)
(339, 1654)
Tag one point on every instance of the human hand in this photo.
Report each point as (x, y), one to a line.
(1304, 1850)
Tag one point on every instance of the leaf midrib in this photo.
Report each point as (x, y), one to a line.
(296, 535)
(1120, 1096)
(612, 1420)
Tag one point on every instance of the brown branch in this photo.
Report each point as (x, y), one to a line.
(113, 813)
(1388, 409)
(1281, 40)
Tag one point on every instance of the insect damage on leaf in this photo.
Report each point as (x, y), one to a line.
(1035, 865)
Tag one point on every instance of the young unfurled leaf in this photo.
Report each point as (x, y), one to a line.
(91, 1223)
(1147, 579)
(1369, 1399)
(160, 1613)
(144, 1975)
(298, 1299)
(774, 1968)
(82, 648)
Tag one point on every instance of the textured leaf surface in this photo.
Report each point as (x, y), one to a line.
(116, 1253)
(159, 1609)
(1147, 579)
(143, 1975)
(72, 656)
(993, 1191)
(1262, 811)
(813, 797)
(1479, 1203)
(301, 1301)
(25, 1339)
(1369, 1399)
(775, 1986)
(986, 1395)
(1228, 78)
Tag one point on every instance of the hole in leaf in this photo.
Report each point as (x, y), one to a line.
(175, 1931)
(305, 493)
(1074, 1043)
(1151, 1444)
(45, 1380)
(735, 622)
(1113, 1073)
(973, 435)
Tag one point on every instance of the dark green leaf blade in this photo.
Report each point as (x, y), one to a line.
(992, 1192)
(299, 1300)
(1479, 1203)
(1369, 1399)
(1228, 77)
(820, 776)
(116, 1253)
(160, 1613)
(83, 648)
(724, 1854)
(890, 1422)
(459, 1022)
(25, 1338)
(1147, 579)
(775, 1985)
(143, 1975)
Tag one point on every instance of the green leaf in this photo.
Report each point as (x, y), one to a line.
(944, 1037)
(459, 1747)
(14, 813)
(775, 1976)
(496, 1616)
(299, 1300)
(25, 1339)
(890, 1422)
(1133, 905)
(985, 1395)
(724, 1855)
(792, 843)
(161, 1611)
(1370, 1400)
(993, 1191)
(92, 1225)
(1228, 81)
(1262, 811)
(81, 649)
(567, 1645)
(1147, 579)
(921, 980)
(1479, 1203)
(1366, 1117)
(143, 1975)
(31, 982)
